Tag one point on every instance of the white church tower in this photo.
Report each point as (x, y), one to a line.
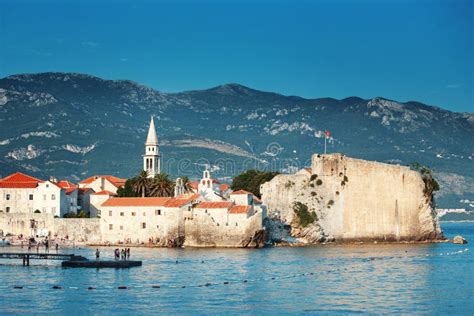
(151, 158)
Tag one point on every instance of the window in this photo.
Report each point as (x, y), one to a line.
(121, 227)
(144, 213)
(53, 210)
(158, 212)
(44, 209)
(7, 197)
(47, 185)
(143, 225)
(133, 213)
(8, 209)
(44, 197)
(122, 214)
(31, 197)
(111, 226)
(110, 213)
(53, 197)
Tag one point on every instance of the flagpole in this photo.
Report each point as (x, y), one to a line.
(325, 137)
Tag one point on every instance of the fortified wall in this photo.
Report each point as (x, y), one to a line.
(202, 231)
(86, 230)
(354, 199)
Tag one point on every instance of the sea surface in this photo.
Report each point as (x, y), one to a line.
(368, 278)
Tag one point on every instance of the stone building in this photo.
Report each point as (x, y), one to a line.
(20, 193)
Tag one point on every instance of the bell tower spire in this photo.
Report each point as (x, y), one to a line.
(151, 159)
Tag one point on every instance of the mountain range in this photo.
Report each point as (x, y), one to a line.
(75, 125)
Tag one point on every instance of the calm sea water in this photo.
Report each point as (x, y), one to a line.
(424, 279)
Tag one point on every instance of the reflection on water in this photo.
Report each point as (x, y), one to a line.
(356, 278)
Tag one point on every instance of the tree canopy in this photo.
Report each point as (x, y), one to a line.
(141, 185)
(251, 180)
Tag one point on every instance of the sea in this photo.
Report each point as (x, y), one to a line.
(435, 278)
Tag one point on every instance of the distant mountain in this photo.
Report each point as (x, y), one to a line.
(75, 125)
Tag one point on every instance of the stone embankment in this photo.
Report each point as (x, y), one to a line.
(347, 199)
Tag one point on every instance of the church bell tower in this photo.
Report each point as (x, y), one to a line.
(151, 158)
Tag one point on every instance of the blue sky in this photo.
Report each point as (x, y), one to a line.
(402, 50)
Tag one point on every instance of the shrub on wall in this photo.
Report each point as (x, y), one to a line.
(305, 217)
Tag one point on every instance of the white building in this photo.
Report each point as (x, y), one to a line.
(151, 158)
(103, 182)
(20, 193)
(139, 219)
(209, 188)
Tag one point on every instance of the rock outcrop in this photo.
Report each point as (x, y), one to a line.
(347, 199)
(459, 240)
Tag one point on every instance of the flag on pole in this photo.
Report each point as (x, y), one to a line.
(328, 134)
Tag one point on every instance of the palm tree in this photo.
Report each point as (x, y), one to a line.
(142, 183)
(162, 186)
(186, 184)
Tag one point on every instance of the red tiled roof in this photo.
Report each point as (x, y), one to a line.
(64, 184)
(19, 181)
(118, 182)
(136, 201)
(189, 196)
(224, 187)
(105, 192)
(239, 209)
(241, 192)
(194, 185)
(174, 202)
(223, 204)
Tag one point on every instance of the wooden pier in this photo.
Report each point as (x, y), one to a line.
(70, 260)
(26, 256)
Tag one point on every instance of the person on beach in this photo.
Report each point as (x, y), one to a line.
(128, 253)
(57, 247)
(97, 254)
(123, 254)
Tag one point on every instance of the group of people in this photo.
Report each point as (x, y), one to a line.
(123, 254)
(37, 243)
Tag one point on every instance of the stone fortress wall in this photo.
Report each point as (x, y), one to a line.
(78, 229)
(239, 231)
(355, 199)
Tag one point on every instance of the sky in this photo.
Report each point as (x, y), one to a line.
(401, 50)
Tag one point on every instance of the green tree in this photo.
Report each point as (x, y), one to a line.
(251, 180)
(162, 186)
(127, 190)
(142, 184)
(187, 184)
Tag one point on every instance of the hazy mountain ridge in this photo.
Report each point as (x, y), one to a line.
(75, 125)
